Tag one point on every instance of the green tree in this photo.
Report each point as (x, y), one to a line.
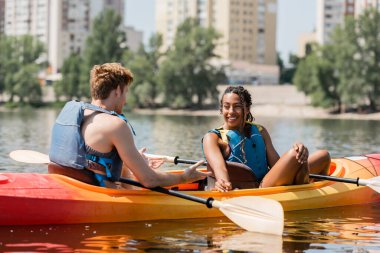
(70, 83)
(186, 72)
(145, 67)
(26, 83)
(106, 43)
(315, 76)
(341, 55)
(344, 72)
(21, 62)
(368, 55)
(287, 72)
(3, 61)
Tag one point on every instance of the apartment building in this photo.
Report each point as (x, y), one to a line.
(69, 26)
(248, 29)
(62, 25)
(331, 13)
(361, 5)
(2, 16)
(304, 41)
(134, 38)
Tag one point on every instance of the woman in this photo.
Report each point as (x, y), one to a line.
(241, 140)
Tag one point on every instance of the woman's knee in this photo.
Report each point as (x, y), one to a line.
(289, 161)
(324, 154)
(319, 162)
(291, 154)
(291, 157)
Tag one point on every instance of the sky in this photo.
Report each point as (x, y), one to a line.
(293, 17)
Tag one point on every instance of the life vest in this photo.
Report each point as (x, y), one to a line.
(250, 150)
(68, 147)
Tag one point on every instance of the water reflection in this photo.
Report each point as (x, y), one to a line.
(340, 137)
(342, 229)
(249, 241)
(181, 135)
(334, 229)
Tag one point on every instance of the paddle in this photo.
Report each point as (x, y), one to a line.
(29, 156)
(373, 183)
(252, 213)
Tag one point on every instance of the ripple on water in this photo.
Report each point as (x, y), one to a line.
(345, 229)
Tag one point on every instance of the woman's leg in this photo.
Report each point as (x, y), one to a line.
(319, 162)
(287, 171)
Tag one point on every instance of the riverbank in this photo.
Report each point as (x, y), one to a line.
(270, 110)
(272, 101)
(268, 101)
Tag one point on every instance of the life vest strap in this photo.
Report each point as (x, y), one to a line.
(105, 162)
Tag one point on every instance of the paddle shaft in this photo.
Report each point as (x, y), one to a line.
(177, 161)
(323, 177)
(337, 179)
(207, 202)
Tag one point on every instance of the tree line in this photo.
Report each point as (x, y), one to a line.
(181, 77)
(345, 73)
(21, 59)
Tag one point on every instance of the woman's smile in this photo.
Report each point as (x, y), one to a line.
(233, 111)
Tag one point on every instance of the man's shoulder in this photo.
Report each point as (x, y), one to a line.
(104, 118)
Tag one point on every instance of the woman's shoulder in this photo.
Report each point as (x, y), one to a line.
(256, 125)
(216, 130)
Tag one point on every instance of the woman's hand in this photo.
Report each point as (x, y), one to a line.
(152, 162)
(191, 174)
(223, 185)
(302, 152)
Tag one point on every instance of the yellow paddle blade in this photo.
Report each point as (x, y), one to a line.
(255, 214)
(29, 156)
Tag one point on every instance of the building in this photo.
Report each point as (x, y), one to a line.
(134, 38)
(27, 17)
(98, 5)
(69, 26)
(62, 25)
(331, 13)
(361, 5)
(304, 41)
(248, 29)
(2, 16)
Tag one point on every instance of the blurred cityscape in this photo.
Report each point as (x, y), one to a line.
(246, 48)
(248, 28)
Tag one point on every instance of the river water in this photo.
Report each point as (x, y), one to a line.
(343, 229)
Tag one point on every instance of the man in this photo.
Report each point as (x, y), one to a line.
(96, 137)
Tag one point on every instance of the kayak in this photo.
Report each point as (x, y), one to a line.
(31, 198)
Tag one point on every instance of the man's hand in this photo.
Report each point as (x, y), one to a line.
(191, 174)
(152, 162)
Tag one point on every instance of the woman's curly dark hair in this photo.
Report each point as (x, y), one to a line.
(245, 98)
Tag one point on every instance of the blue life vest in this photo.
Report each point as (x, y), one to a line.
(250, 150)
(68, 148)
